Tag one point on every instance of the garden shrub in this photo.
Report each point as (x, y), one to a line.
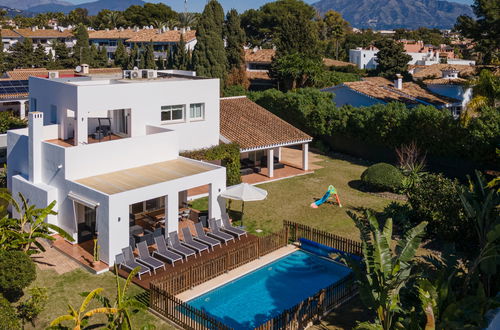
(400, 213)
(29, 309)
(436, 199)
(18, 271)
(8, 316)
(228, 154)
(9, 121)
(383, 176)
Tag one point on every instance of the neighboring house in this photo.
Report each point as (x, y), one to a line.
(422, 55)
(379, 90)
(259, 133)
(108, 148)
(162, 39)
(103, 148)
(45, 37)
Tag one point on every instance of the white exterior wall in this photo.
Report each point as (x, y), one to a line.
(150, 142)
(145, 100)
(363, 58)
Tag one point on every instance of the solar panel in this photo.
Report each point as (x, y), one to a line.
(13, 86)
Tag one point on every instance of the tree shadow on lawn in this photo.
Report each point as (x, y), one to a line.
(346, 316)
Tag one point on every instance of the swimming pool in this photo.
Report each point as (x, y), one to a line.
(251, 300)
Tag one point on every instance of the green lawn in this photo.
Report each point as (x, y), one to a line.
(64, 289)
(290, 199)
(287, 199)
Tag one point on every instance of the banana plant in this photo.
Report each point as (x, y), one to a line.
(384, 272)
(79, 318)
(23, 232)
(124, 304)
(481, 202)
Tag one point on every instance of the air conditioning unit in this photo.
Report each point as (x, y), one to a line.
(149, 74)
(53, 74)
(132, 74)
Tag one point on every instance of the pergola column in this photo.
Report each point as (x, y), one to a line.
(171, 213)
(305, 156)
(279, 154)
(22, 109)
(270, 162)
(215, 203)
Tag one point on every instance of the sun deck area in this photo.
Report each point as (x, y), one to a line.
(143, 176)
(71, 142)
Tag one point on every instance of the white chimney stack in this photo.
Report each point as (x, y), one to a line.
(35, 131)
(398, 82)
(85, 69)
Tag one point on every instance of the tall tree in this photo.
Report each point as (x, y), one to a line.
(2, 63)
(235, 40)
(333, 28)
(21, 54)
(149, 57)
(160, 63)
(121, 55)
(485, 30)
(40, 58)
(81, 50)
(94, 56)
(181, 59)
(102, 57)
(62, 56)
(78, 16)
(391, 58)
(209, 56)
(133, 59)
(149, 12)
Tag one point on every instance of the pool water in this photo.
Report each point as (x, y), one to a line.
(253, 299)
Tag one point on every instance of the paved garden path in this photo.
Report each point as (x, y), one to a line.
(52, 259)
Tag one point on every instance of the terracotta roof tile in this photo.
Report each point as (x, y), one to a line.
(12, 96)
(411, 93)
(40, 33)
(426, 71)
(251, 126)
(7, 33)
(259, 55)
(258, 75)
(445, 81)
(143, 35)
(331, 62)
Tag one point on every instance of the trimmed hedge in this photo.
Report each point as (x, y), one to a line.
(18, 271)
(228, 154)
(383, 176)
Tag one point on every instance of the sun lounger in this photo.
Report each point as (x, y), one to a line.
(226, 226)
(202, 237)
(147, 259)
(126, 259)
(164, 253)
(191, 243)
(173, 239)
(216, 233)
(182, 250)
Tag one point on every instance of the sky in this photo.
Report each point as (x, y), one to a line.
(240, 5)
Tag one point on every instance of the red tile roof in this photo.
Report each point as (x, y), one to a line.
(251, 126)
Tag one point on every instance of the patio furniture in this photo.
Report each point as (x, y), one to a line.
(147, 237)
(173, 238)
(247, 162)
(131, 263)
(145, 258)
(191, 243)
(163, 253)
(179, 249)
(120, 260)
(131, 242)
(246, 171)
(136, 230)
(226, 226)
(202, 237)
(216, 233)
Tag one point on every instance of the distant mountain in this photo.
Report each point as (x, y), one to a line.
(25, 4)
(391, 14)
(92, 7)
(11, 12)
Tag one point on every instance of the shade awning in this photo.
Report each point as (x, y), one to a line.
(82, 200)
(244, 192)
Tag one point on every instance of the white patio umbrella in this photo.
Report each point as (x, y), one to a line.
(246, 193)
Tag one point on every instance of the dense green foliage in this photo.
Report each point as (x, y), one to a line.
(18, 271)
(29, 309)
(333, 29)
(391, 58)
(8, 317)
(181, 57)
(333, 78)
(235, 40)
(428, 36)
(484, 30)
(383, 176)
(436, 199)
(209, 56)
(8, 121)
(228, 154)
(81, 48)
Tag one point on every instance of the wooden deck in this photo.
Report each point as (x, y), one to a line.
(90, 140)
(146, 279)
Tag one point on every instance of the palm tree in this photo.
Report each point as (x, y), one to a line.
(187, 19)
(31, 224)
(113, 19)
(385, 272)
(159, 24)
(79, 318)
(486, 91)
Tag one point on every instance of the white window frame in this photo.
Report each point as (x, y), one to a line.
(170, 109)
(202, 114)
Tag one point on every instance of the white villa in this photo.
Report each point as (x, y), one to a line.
(142, 125)
(108, 149)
